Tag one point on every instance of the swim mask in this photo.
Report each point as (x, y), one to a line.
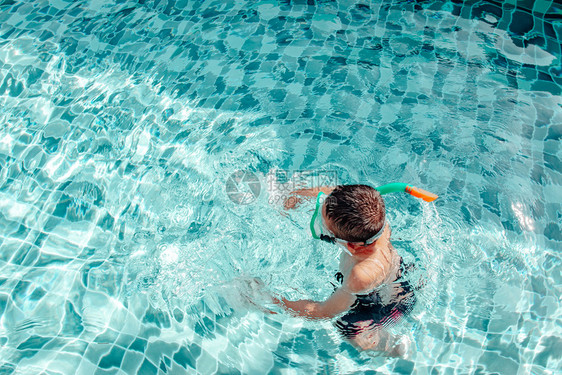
(320, 231)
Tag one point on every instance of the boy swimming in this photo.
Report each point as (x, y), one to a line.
(372, 294)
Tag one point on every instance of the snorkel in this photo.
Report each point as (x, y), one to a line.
(384, 189)
(412, 190)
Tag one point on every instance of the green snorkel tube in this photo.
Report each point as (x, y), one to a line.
(412, 190)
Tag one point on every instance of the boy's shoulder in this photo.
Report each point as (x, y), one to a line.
(369, 274)
(364, 278)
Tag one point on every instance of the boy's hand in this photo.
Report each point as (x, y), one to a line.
(292, 201)
(295, 197)
(256, 293)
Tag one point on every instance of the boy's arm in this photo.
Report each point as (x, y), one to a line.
(340, 301)
(294, 197)
(312, 192)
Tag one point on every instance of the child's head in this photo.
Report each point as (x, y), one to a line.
(356, 212)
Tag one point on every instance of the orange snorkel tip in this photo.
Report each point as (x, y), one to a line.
(420, 193)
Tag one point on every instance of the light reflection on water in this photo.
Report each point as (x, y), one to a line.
(120, 124)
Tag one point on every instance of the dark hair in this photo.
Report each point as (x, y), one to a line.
(357, 212)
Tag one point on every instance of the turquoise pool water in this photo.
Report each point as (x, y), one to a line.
(122, 249)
